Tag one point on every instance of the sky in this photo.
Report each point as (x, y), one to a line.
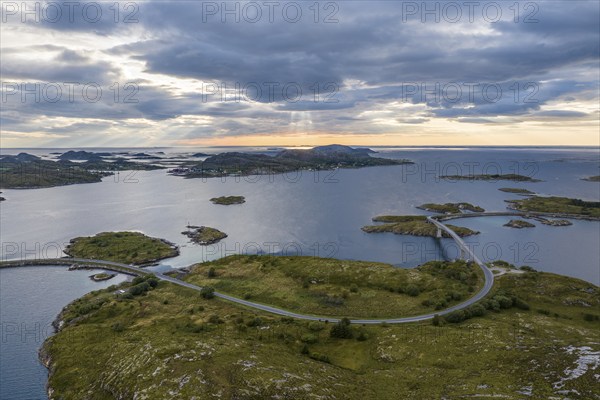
(204, 73)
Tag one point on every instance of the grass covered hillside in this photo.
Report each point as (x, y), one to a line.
(334, 287)
(159, 341)
(123, 247)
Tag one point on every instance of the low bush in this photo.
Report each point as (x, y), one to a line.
(309, 338)
(342, 330)
(207, 292)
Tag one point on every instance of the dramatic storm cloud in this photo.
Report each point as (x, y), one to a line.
(178, 73)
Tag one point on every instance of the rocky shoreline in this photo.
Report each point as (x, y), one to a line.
(43, 354)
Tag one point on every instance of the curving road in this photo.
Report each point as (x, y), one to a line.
(489, 281)
(435, 220)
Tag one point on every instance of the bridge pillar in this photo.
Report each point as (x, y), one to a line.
(439, 233)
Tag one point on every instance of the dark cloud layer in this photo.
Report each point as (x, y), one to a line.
(373, 53)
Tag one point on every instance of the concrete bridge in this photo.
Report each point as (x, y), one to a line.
(468, 255)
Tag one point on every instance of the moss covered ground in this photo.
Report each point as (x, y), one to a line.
(170, 342)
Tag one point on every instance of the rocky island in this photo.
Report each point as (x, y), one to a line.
(558, 205)
(519, 224)
(450, 208)
(415, 225)
(123, 247)
(555, 222)
(103, 276)
(491, 177)
(204, 235)
(228, 200)
(519, 191)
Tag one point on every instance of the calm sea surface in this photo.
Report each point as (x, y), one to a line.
(307, 213)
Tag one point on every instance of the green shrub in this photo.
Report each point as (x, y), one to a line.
(118, 327)
(137, 280)
(207, 292)
(152, 281)
(309, 338)
(342, 330)
(255, 322)
(477, 310)
(315, 326)
(455, 317)
(505, 302)
(139, 289)
(454, 295)
(412, 290)
(521, 304)
(492, 304)
(590, 317)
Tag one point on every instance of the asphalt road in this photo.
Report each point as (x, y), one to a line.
(489, 282)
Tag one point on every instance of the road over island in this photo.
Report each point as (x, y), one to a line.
(466, 253)
(131, 269)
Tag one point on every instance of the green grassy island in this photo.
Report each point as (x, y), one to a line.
(558, 205)
(204, 235)
(450, 208)
(228, 200)
(491, 177)
(332, 287)
(519, 224)
(415, 225)
(520, 191)
(122, 247)
(536, 333)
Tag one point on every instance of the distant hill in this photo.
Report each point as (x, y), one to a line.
(72, 155)
(318, 158)
(21, 157)
(341, 149)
